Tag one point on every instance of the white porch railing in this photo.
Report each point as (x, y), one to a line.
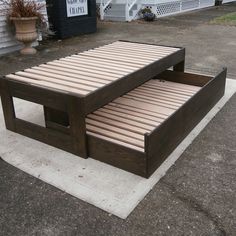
(103, 5)
(129, 5)
(160, 8)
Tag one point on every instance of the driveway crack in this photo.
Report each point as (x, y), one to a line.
(195, 205)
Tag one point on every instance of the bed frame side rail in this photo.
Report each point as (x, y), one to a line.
(164, 139)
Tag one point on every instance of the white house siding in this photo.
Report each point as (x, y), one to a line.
(226, 1)
(8, 43)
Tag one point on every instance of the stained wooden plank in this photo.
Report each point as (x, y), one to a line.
(73, 73)
(144, 106)
(187, 86)
(90, 70)
(93, 66)
(110, 134)
(168, 89)
(105, 61)
(128, 54)
(151, 114)
(55, 81)
(155, 98)
(112, 140)
(177, 85)
(59, 63)
(138, 113)
(65, 77)
(83, 80)
(164, 94)
(121, 59)
(103, 112)
(137, 51)
(148, 101)
(173, 87)
(46, 84)
(118, 124)
(146, 46)
(114, 129)
(124, 57)
(184, 78)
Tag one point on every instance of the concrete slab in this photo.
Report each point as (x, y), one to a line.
(94, 182)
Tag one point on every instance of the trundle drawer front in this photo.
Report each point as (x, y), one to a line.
(137, 131)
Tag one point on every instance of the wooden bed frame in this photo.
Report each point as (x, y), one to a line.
(67, 113)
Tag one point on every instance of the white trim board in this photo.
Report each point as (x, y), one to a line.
(111, 189)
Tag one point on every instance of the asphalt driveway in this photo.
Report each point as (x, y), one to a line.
(196, 196)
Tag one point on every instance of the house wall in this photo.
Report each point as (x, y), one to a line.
(226, 1)
(8, 43)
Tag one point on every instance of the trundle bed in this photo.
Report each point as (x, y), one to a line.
(118, 103)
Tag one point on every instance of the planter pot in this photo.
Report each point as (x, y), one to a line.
(149, 16)
(26, 32)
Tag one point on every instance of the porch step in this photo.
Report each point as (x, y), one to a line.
(114, 18)
(117, 12)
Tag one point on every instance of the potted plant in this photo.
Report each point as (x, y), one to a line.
(26, 16)
(147, 14)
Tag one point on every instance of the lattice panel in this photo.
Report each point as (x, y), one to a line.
(186, 5)
(168, 8)
(207, 3)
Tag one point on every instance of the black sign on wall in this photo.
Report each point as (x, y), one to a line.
(69, 18)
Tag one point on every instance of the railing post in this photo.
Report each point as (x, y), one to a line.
(127, 11)
(101, 10)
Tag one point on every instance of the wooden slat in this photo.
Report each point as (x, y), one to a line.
(35, 70)
(115, 129)
(128, 119)
(182, 86)
(127, 65)
(135, 50)
(173, 86)
(74, 72)
(59, 63)
(46, 84)
(144, 106)
(147, 46)
(135, 113)
(151, 114)
(128, 54)
(125, 144)
(148, 101)
(95, 72)
(75, 76)
(163, 94)
(129, 127)
(158, 96)
(155, 98)
(116, 136)
(121, 59)
(167, 89)
(96, 67)
(117, 57)
(55, 81)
